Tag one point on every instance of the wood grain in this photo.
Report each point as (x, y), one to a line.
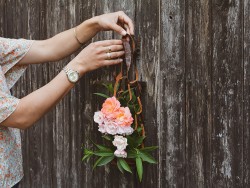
(198, 93)
(171, 95)
(194, 63)
(246, 94)
(227, 84)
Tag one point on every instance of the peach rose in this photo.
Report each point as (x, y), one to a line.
(123, 117)
(110, 106)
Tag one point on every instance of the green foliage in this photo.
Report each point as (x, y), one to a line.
(124, 165)
(151, 148)
(139, 168)
(102, 95)
(103, 161)
(147, 157)
(120, 166)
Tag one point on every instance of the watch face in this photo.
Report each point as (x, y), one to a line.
(73, 76)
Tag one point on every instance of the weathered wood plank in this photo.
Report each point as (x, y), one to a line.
(227, 84)
(198, 93)
(246, 97)
(147, 29)
(170, 97)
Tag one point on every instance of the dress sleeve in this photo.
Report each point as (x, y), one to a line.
(11, 52)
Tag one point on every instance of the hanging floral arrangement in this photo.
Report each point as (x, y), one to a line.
(120, 120)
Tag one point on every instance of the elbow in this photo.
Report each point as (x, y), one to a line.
(23, 123)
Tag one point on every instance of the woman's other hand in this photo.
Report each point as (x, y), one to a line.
(113, 21)
(98, 54)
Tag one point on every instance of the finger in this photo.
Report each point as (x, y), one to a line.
(127, 28)
(114, 55)
(108, 42)
(112, 48)
(118, 29)
(123, 18)
(112, 62)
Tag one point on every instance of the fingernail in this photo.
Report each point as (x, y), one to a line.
(124, 33)
(120, 60)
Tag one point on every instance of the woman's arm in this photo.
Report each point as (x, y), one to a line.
(65, 43)
(32, 107)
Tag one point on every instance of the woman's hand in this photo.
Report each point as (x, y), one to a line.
(113, 21)
(98, 54)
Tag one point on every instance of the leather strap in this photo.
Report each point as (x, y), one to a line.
(130, 60)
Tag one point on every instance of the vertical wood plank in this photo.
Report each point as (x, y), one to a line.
(198, 93)
(246, 97)
(147, 30)
(227, 87)
(170, 98)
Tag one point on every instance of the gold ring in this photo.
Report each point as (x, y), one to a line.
(109, 50)
(109, 55)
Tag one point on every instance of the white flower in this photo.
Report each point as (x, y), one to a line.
(110, 127)
(120, 142)
(127, 130)
(99, 117)
(120, 153)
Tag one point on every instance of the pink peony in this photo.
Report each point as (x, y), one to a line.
(114, 119)
(123, 117)
(110, 106)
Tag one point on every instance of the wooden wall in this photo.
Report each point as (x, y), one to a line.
(195, 60)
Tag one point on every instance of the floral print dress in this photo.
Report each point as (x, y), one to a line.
(11, 52)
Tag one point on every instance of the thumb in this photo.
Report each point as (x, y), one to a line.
(119, 29)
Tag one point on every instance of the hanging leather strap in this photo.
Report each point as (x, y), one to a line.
(130, 60)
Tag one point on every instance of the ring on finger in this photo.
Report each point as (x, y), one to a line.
(108, 55)
(109, 50)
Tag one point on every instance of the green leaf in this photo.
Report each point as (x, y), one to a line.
(139, 167)
(111, 88)
(100, 147)
(151, 148)
(139, 129)
(134, 141)
(124, 165)
(105, 160)
(104, 153)
(120, 167)
(139, 140)
(147, 157)
(88, 158)
(103, 148)
(87, 152)
(96, 163)
(85, 157)
(102, 95)
(131, 154)
(107, 137)
(131, 141)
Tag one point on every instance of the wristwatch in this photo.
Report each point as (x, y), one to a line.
(73, 76)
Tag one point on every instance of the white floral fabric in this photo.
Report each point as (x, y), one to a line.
(11, 52)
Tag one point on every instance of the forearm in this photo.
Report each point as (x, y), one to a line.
(32, 107)
(65, 43)
(61, 45)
